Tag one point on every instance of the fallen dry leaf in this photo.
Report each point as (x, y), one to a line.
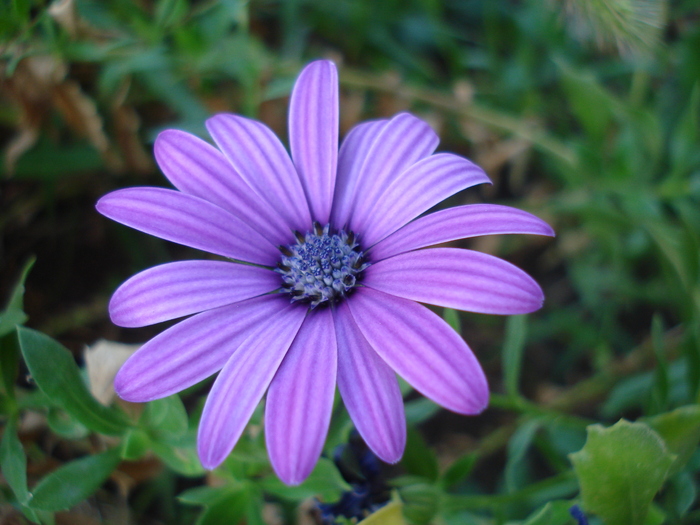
(102, 361)
(38, 85)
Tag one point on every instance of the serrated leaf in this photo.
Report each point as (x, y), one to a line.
(13, 461)
(56, 374)
(620, 469)
(390, 514)
(70, 484)
(680, 430)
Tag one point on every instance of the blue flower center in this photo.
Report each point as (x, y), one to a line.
(321, 267)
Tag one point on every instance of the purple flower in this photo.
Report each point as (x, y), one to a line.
(327, 259)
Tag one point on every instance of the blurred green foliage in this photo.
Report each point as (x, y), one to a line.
(586, 113)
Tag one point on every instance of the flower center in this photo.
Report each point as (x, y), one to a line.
(321, 267)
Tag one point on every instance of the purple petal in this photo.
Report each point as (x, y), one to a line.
(454, 278)
(420, 187)
(300, 399)
(182, 288)
(370, 390)
(459, 222)
(352, 155)
(421, 348)
(193, 349)
(313, 134)
(403, 141)
(188, 220)
(259, 157)
(242, 383)
(197, 168)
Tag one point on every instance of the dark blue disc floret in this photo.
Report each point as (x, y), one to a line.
(322, 267)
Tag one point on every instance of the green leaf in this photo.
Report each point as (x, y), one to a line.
(680, 429)
(227, 504)
(57, 375)
(248, 458)
(620, 470)
(64, 425)
(458, 470)
(660, 392)
(513, 346)
(49, 162)
(170, 12)
(13, 461)
(70, 484)
(324, 482)
(452, 317)
(517, 448)
(14, 312)
(680, 493)
(420, 502)
(590, 102)
(181, 459)
(9, 363)
(418, 458)
(418, 410)
(135, 444)
(165, 417)
(553, 513)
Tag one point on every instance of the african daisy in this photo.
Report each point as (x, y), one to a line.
(327, 259)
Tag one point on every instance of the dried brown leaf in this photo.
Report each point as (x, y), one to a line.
(30, 87)
(102, 361)
(38, 85)
(65, 13)
(126, 124)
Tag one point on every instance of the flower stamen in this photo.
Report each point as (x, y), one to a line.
(321, 267)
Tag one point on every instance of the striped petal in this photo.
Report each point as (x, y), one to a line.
(419, 188)
(313, 134)
(188, 220)
(369, 390)
(460, 222)
(454, 278)
(351, 158)
(197, 168)
(259, 157)
(300, 399)
(182, 288)
(421, 348)
(242, 382)
(403, 141)
(193, 349)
